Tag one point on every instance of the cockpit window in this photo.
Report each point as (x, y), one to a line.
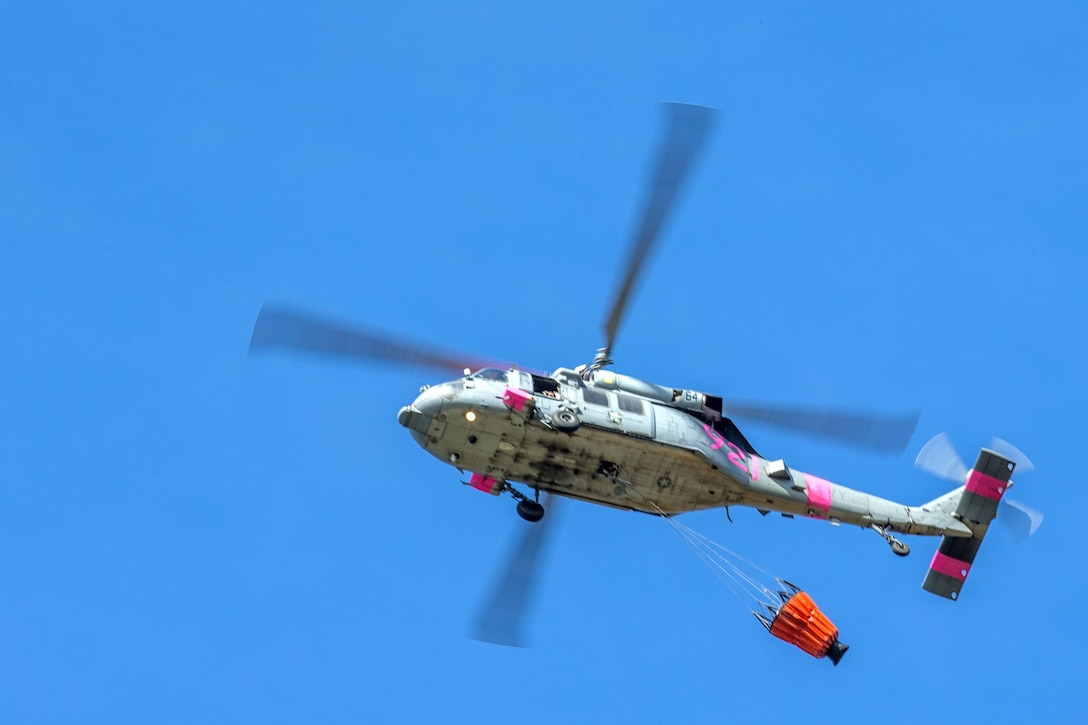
(491, 374)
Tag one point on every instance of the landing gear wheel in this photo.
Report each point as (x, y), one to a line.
(531, 511)
(899, 548)
(566, 420)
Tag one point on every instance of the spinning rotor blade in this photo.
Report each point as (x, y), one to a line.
(939, 458)
(286, 328)
(870, 430)
(1019, 519)
(1014, 454)
(688, 127)
(499, 622)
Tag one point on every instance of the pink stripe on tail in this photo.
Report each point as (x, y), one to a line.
(987, 486)
(819, 492)
(949, 567)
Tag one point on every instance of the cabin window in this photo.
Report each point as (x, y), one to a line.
(631, 405)
(595, 397)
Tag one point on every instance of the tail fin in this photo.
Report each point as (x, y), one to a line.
(977, 507)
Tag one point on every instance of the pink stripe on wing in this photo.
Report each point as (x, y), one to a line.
(949, 567)
(819, 492)
(987, 486)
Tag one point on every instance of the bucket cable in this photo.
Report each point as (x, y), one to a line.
(735, 571)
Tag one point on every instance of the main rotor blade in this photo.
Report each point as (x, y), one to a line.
(940, 458)
(687, 130)
(282, 327)
(863, 428)
(500, 620)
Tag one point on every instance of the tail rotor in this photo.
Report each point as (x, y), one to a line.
(1014, 454)
(1019, 519)
(938, 457)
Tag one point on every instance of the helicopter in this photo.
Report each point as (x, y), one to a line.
(590, 434)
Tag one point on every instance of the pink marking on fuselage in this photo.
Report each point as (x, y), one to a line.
(515, 399)
(819, 492)
(737, 457)
(714, 436)
(483, 483)
(986, 486)
(950, 567)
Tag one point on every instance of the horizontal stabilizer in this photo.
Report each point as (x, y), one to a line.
(977, 507)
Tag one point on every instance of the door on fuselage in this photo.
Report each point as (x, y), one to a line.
(618, 412)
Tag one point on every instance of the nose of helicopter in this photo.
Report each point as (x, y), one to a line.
(418, 416)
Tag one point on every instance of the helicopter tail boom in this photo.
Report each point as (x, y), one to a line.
(976, 507)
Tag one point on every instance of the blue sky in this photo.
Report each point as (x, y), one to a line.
(889, 215)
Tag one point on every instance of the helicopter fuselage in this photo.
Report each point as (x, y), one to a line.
(627, 451)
